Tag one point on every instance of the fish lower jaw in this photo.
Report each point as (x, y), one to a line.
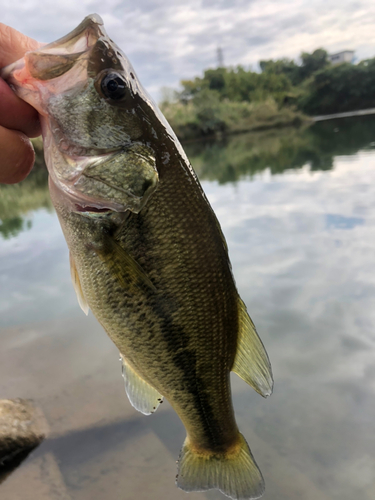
(65, 195)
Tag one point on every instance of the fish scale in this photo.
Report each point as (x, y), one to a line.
(145, 234)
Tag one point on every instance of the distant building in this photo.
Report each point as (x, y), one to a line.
(341, 57)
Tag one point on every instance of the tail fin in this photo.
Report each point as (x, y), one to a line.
(235, 474)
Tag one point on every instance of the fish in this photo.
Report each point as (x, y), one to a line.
(147, 253)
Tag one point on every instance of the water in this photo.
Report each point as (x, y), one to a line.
(298, 212)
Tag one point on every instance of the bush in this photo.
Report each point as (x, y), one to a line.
(340, 88)
(207, 115)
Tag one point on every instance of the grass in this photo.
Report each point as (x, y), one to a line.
(213, 117)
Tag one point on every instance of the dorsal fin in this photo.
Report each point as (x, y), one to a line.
(251, 362)
(141, 394)
(77, 285)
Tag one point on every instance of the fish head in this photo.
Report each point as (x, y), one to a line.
(95, 129)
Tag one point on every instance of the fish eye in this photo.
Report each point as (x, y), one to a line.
(113, 86)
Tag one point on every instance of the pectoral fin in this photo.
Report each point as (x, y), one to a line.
(251, 362)
(77, 286)
(141, 394)
(122, 265)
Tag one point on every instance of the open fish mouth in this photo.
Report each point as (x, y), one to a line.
(56, 58)
(84, 88)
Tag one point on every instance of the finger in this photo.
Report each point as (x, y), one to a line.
(14, 45)
(17, 114)
(16, 156)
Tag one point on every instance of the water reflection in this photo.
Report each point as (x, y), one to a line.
(298, 213)
(17, 201)
(280, 150)
(225, 161)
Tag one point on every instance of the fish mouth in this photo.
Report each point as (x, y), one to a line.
(89, 172)
(54, 66)
(56, 58)
(92, 27)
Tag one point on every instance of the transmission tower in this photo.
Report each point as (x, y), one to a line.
(220, 58)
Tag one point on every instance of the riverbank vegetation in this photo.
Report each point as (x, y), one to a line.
(229, 159)
(245, 155)
(230, 100)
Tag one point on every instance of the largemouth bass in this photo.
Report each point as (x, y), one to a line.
(147, 253)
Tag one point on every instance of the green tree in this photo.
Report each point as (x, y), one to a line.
(285, 67)
(215, 78)
(314, 62)
(344, 87)
(190, 88)
(237, 84)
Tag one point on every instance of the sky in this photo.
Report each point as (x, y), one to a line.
(171, 40)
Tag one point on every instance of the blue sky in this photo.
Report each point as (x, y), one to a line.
(167, 40)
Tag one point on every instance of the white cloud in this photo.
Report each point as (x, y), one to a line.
(168, 41)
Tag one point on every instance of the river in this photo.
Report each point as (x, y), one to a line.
(298, 212)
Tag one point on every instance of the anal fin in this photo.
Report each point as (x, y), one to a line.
(251, 362)
(77, 285)
(141, 394)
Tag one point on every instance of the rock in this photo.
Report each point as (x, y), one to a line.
(22, 428)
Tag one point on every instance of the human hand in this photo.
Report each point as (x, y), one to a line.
(18, 120)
